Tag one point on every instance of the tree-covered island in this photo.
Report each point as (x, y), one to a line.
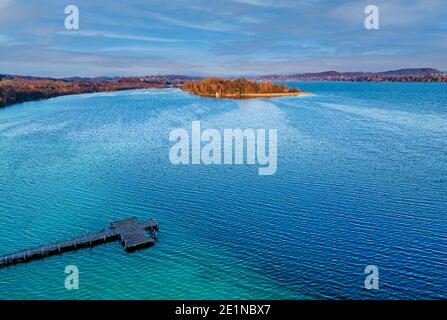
(238, 89)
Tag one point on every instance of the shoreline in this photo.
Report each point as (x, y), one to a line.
(240, 88)
(264, 95)
(253, 95)
(4, 106)
(33, 98)
(19, 89)
(72, 94)
(41, 96)
(227, 96)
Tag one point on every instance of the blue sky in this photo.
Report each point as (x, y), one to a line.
(231, 37)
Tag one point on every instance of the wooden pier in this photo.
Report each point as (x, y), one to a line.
(132, 234)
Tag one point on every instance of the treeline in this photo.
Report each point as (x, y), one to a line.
(21, 89)
(430, 78)
(218, 87)
(404, 75)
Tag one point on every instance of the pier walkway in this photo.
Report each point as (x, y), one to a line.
(132, 234)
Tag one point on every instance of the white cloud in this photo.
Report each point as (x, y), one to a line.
(111, 35)
(4, 4)
(392, 13)
(60, 63)
(268, 3)
(6, 41)
(213, 26)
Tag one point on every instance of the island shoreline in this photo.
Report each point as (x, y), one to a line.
(254, 95)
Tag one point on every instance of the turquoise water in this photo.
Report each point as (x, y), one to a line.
(361, 179)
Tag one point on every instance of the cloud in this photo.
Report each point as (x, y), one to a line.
(7, 41)
(209, 26)
(272, 47)
(392, 13)
(62, 63)
(266, 3)
(219, 37)
(111, 35)
(4, 4)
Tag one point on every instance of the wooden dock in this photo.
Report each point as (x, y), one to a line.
(132, 234)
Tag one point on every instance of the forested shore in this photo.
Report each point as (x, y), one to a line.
(238, 88)
(19, 89)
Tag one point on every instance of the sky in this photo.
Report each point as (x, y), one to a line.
(219, 37)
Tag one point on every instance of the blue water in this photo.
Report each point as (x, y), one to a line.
(361, 180)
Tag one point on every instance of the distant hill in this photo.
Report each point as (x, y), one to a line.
(412, 72)
(404, 75)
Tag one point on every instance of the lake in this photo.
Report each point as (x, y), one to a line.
(361, 180)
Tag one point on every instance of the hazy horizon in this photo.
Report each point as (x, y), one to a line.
(226, 38)
(205, 75)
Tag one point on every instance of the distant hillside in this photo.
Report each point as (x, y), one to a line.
(403, 75)
(412, 72)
